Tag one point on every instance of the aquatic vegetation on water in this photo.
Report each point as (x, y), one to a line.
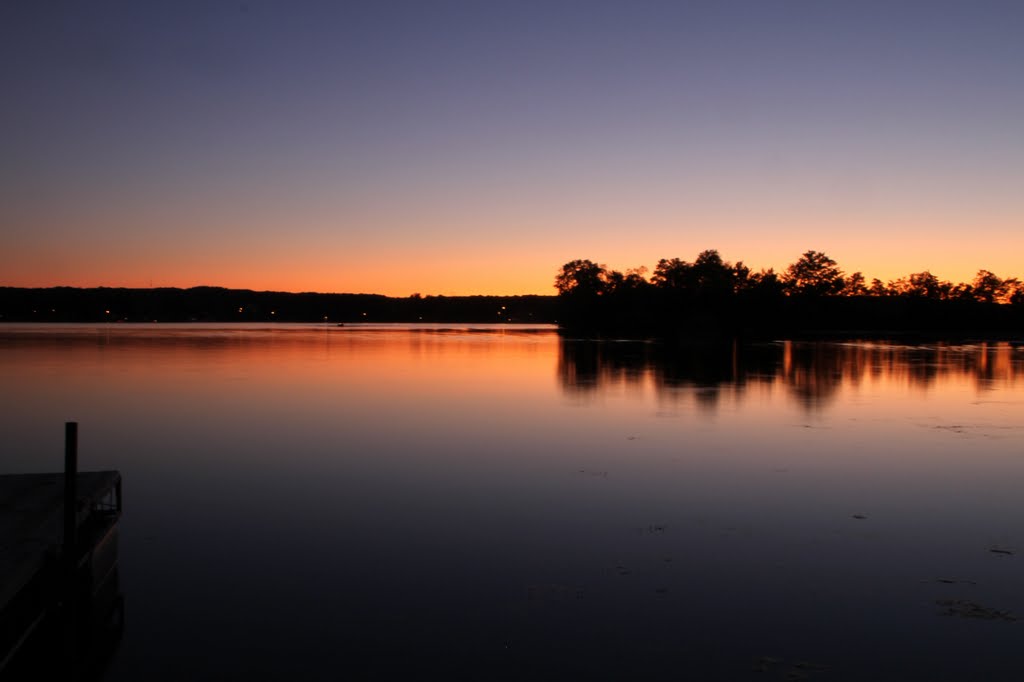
(969, 609)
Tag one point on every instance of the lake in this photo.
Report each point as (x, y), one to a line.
(497, 502)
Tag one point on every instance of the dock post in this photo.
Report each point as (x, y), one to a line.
(70, 550)
(70, 487)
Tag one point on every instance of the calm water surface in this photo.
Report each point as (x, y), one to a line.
(498, 503)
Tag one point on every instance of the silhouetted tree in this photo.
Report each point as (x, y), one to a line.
(671, 273)
(710, 275)
(854, 285)
(961, 292)
(814, 274)
(921, 285)
(635, 280)
(741, 276)
(581, 278)
(987, 287)
(877, 288)
(764, 283)
(1016, 292)
(613, 280)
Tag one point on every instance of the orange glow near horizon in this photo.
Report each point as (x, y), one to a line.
(453, 254)
(515, 274)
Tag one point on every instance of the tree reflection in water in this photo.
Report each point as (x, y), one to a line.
(812, 371)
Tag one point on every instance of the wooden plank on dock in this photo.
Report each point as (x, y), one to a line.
(31, 520)
(31, 541)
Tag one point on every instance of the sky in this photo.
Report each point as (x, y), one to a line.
(473, 147)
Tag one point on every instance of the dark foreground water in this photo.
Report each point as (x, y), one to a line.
(395, 503)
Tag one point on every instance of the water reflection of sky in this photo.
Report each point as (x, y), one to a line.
(303, 501)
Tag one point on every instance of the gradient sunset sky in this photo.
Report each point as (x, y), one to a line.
(474, 147)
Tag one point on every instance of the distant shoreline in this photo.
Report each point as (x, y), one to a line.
(221, 305)
(689, 320)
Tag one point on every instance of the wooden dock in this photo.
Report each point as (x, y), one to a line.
(58, 568)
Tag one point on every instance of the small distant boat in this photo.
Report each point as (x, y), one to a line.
(341, 324)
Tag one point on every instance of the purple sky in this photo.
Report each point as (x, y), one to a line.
(474, 147)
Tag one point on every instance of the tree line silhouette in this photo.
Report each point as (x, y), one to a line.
(708, 298)
(712, 297)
